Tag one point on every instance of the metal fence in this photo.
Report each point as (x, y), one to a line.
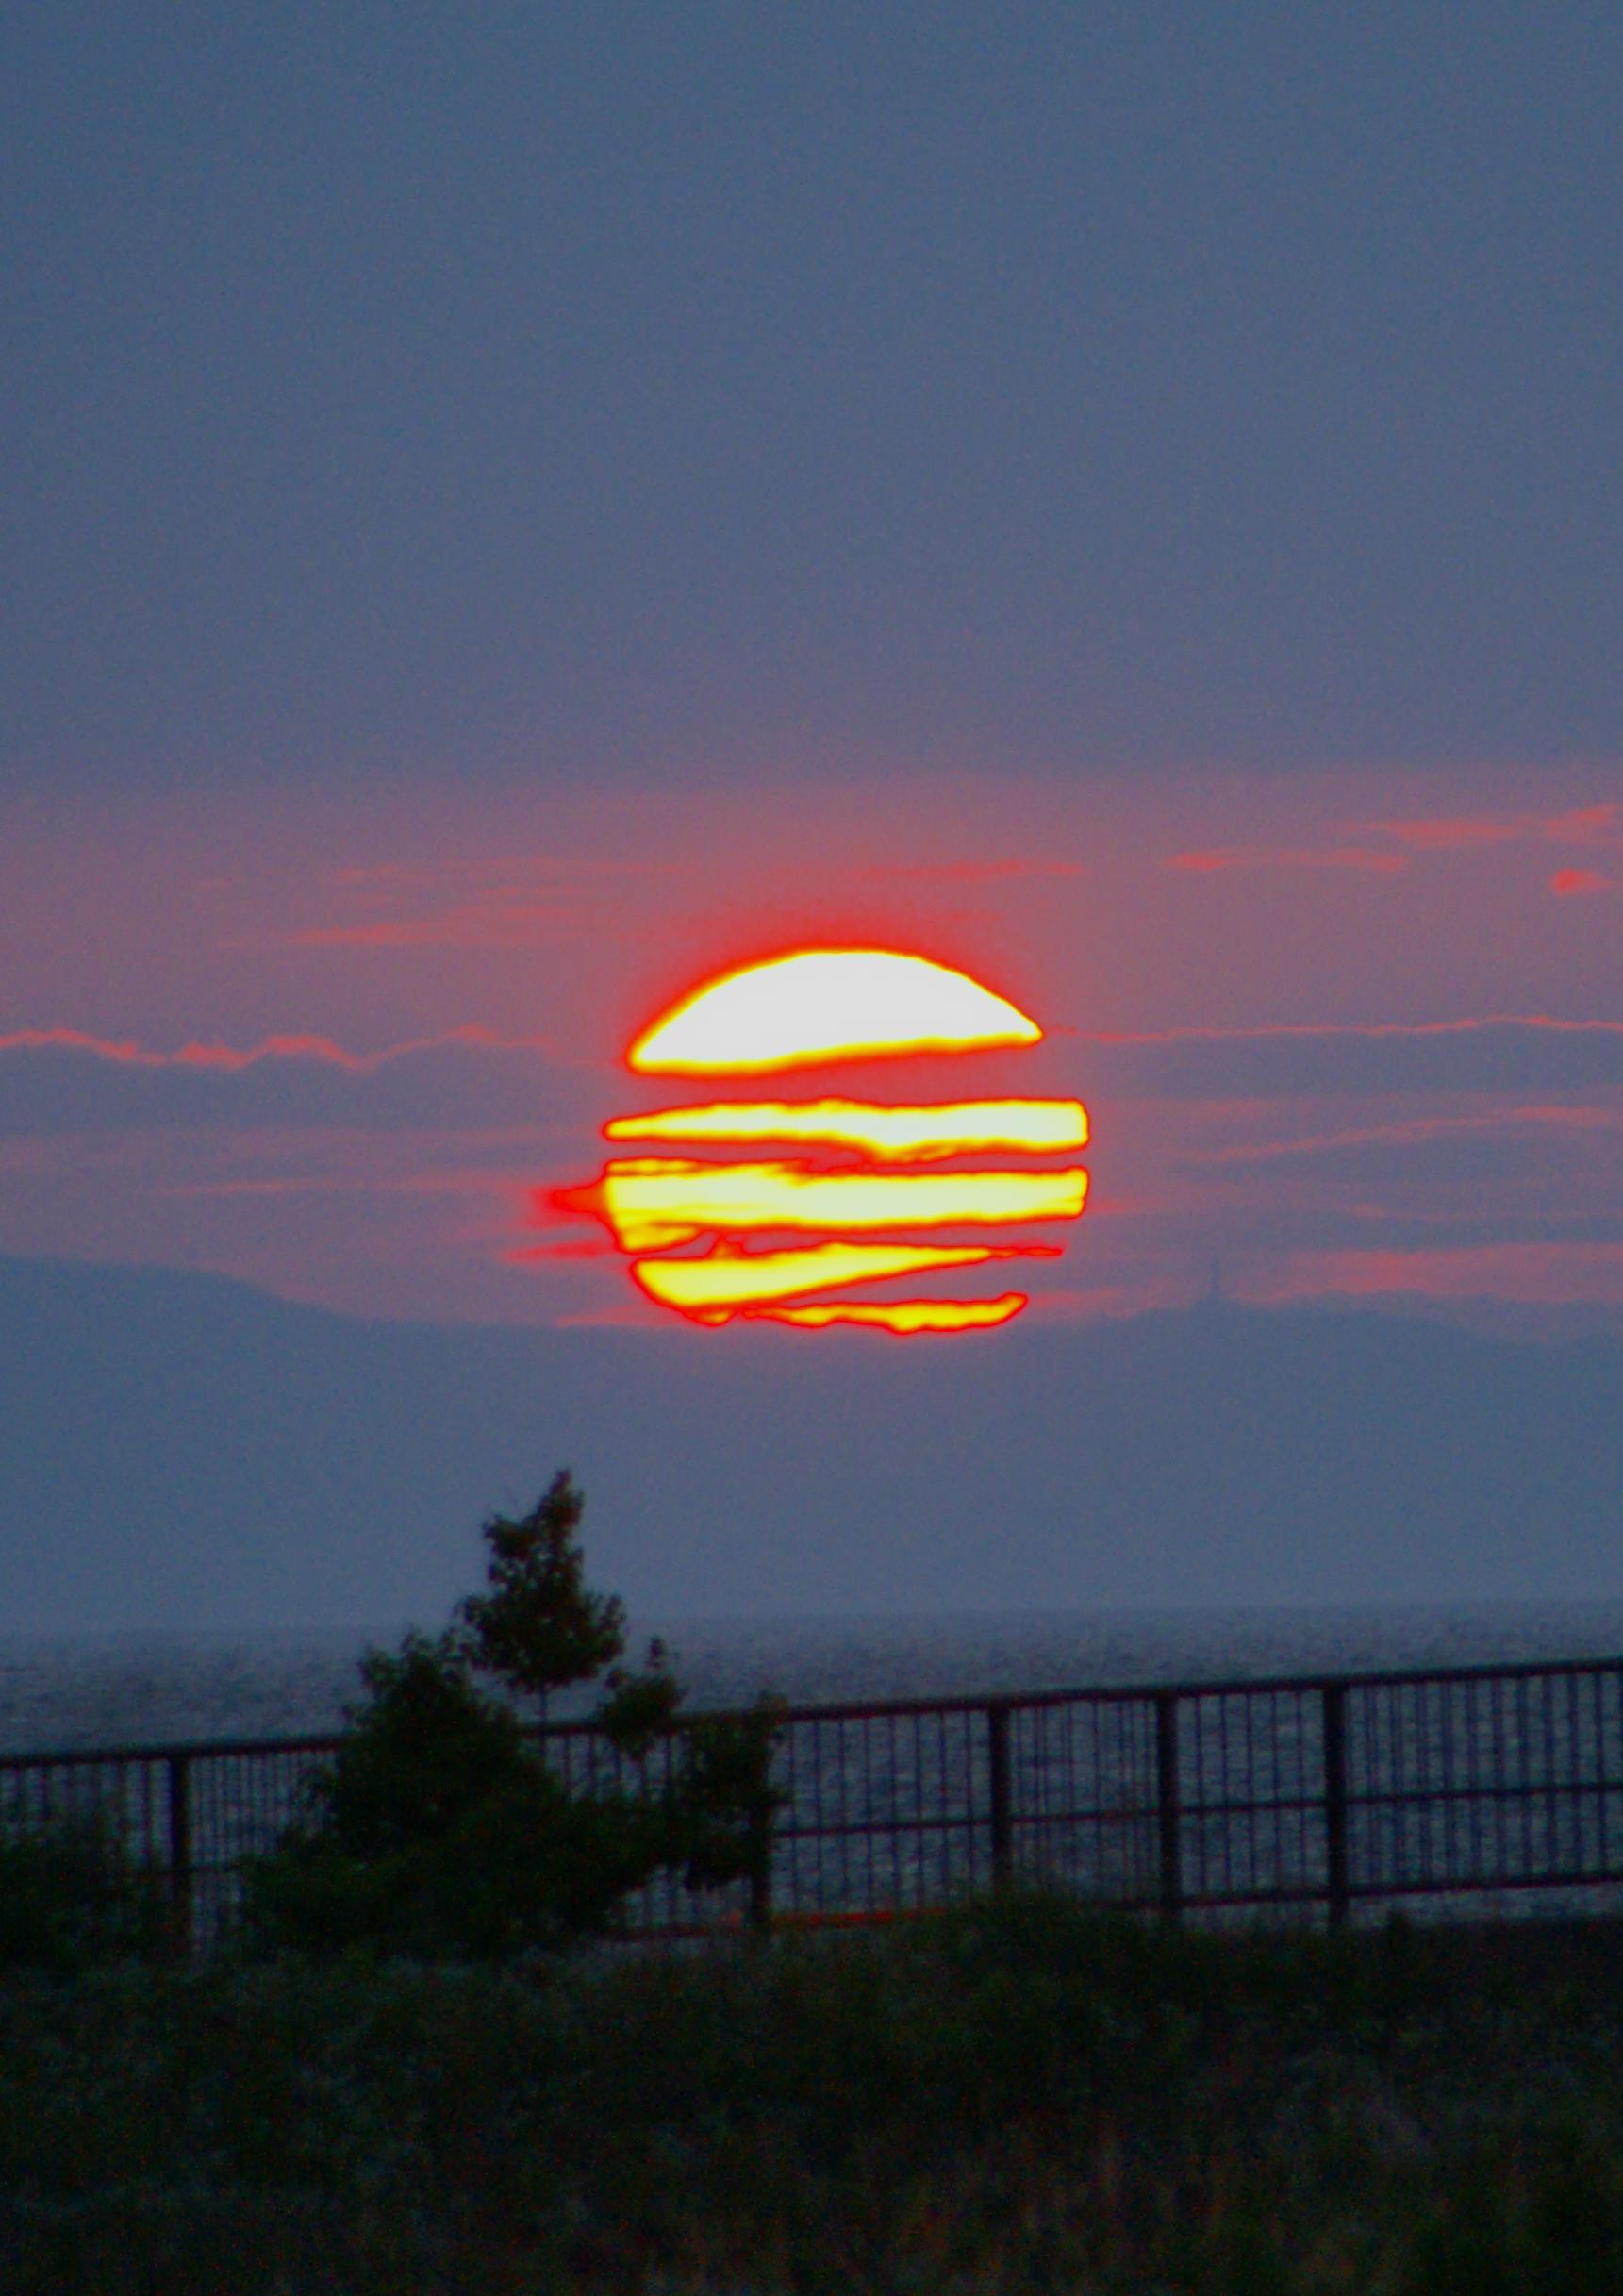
(1301, 1798)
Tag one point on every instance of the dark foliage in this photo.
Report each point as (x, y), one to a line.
(1016, 2099)
(540, 1628)
(439, 1829)
(71, 1897)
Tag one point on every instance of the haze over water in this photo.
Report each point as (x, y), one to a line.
(146, 1689)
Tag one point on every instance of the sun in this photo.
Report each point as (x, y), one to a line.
(823, 1194)
(812, 1005)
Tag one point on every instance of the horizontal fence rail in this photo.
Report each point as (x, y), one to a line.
(1313, 1797)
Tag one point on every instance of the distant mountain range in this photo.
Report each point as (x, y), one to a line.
(186, 1451)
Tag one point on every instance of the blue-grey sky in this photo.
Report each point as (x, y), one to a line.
(630, 394)
(511, 510)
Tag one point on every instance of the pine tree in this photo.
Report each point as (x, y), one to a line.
(439, 1828)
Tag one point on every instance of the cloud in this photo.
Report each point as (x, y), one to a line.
(1359, 1028)
(1416, 1131)
(496, 924)
(486, 901)
(1529, 1272)
(66, 1079)
(1450, 833)
(483, 1182)
(1288, 857)
(1566, 882)
(1587, 826)
(126, 1052)
(973, 873)
(381, 876)
(272, 1048)
(1497, 1169)
(1497, 1053)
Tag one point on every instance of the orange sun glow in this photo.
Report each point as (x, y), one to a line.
(719, 1240)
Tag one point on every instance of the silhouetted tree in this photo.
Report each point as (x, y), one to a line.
(439, 1828)
(540, 1628)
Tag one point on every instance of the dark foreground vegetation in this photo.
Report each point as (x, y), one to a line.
(419, 2066)
(1016, 2096)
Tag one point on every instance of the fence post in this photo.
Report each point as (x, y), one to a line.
(179, 1766)
(761, 1870)
(999, 1809)
(1335, 1729)
(765, 1727)
(1167, 1803)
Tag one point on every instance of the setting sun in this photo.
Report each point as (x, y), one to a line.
(812, 1005)
(856, 1184)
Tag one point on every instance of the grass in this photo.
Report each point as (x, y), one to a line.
(1019, 2096)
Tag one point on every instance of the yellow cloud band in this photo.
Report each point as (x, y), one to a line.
(724, 1278)
(652, 1201)
(958, 1128)
(901, 1316)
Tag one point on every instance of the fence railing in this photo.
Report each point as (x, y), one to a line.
(1318, 1796)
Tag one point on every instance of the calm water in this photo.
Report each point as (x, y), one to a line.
(129, 1689)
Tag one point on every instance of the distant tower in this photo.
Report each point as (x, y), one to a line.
(1215, 1295)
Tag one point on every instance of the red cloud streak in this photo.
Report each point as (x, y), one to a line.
(128, 1053)
(230, 1058)
(1288, 857)
(1584, 825)
(1561, 1118)
(1543, 1273)
(1354, 1028)
(496, 924)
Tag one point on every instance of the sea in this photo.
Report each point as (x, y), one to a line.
(63, 1692)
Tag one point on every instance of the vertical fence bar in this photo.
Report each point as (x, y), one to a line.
(998, 1790)
(1167, 1803)
(761, 1875)
(1334, 1697)
(180, 1853)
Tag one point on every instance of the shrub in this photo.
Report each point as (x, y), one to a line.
(71, 1897)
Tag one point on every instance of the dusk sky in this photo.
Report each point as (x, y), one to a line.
(509, 511)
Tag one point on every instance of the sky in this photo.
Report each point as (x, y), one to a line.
(510, 510)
